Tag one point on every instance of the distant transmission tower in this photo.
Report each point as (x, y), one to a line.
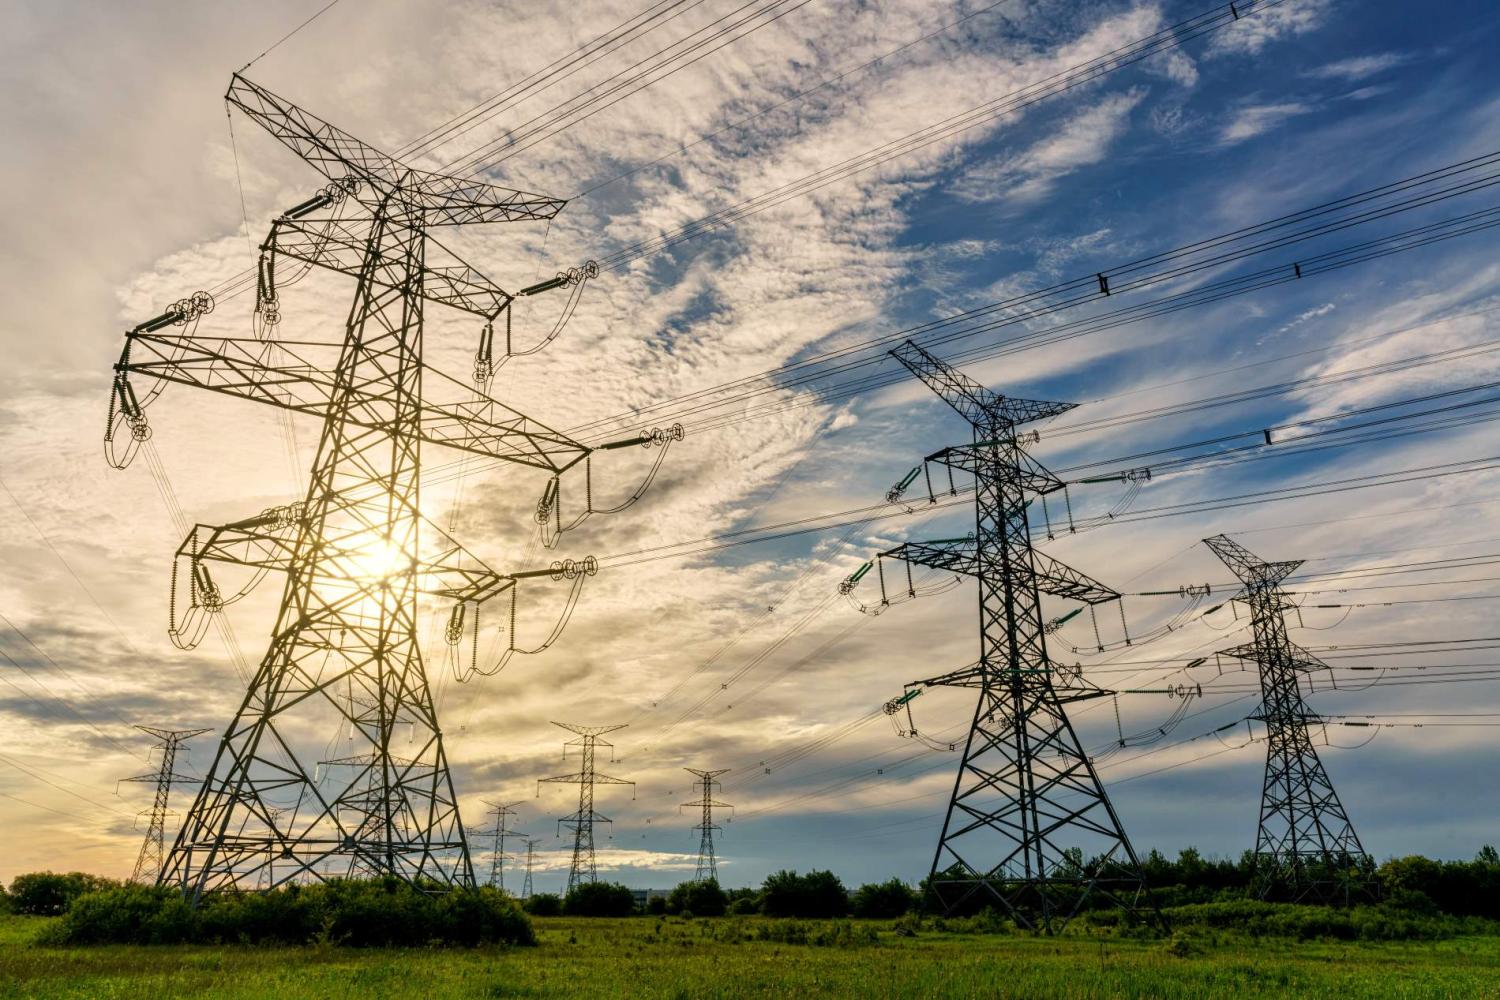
(148, 863)
(502, 812)
(1306, 848)
(527, 890)
(582, 822)
(708, 867)
(1026, 802)
(356, 549)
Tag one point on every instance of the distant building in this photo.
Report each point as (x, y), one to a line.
(644, 896)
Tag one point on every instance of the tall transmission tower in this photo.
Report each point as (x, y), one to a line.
(1025, 787)
(1305, 848)
(498, 832)
(708, 866)
(526, 889)
(586, 777)
(148, 863)
(356, 549)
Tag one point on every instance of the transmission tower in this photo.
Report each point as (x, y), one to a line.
(582, 822)
(708, 867)
(1025, 787)
(356, 550)
(502, 812)
(148, 863)
(526, 889)
(1306, 848)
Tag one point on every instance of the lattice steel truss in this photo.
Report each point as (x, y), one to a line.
(356, 550)
(148, 863)
(584, 867)
(1029, 827)
(498, 832)
(708, 864)
(1305, 848)
(527, 889)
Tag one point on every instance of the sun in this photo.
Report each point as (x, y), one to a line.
(379, 560)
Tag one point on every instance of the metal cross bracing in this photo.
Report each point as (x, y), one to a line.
(1305, 847)
(148, 863)
(357, 552)
(708, 865)
(584, 867)
(1029, 827)
(497, 833)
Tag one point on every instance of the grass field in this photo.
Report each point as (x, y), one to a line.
(673, 957)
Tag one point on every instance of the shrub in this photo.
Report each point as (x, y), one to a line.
(814, 895)
(656, 905)
(127, 914)
(48, 894)
(544, 904)
(835, 934)
(883, 900)
(745, 906)
(702, 899)
(599, 899)
(363, 913)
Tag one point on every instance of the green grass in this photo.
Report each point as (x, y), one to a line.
(651, 957)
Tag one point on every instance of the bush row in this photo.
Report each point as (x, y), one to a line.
(359, 913)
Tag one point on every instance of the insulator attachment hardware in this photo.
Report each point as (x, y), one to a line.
(484, 358)
(894, 493)
(897, 704)
(1057, 623)
(179, 313)
(130, 409)
(847, 585)
(1195, 590)
(564, 279)
(1185, 691)
(205, 592)
(544, 505)
(567, 569)
(284, 516)
(658, 436)
(455, 629)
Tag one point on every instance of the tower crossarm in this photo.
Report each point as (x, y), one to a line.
(343, 245)
(583, 776)
(954, 555)
(1253, 571)
(439, 198)
(1297, 657)
(978, 457)
(976, 404)
(244, 368)
(1059, 580)
(972, 676)
(268, 542)
(156, 777)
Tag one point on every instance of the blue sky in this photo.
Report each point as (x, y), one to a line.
(126, 194)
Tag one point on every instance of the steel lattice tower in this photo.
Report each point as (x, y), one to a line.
(502, 811)
(526, 889)
(356, 550)
(586, 777)
(148, 863)
(1305, 848)
(708, 866)
(1026, 802)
